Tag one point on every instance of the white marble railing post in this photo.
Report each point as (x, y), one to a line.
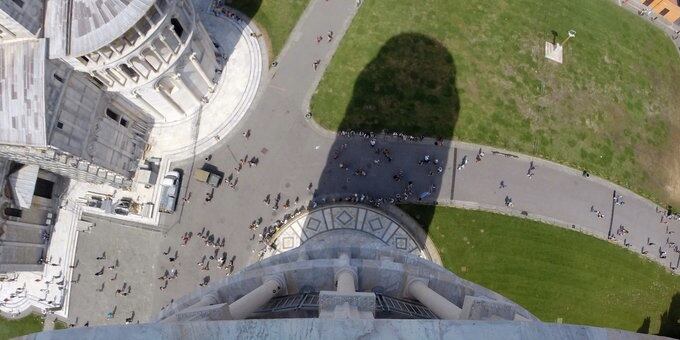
(177, 79)
(345, 276)
(249, 303)
(165, 42)
(439, 305)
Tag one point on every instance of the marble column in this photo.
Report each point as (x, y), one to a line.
(113, 49)
(345, 276)
(249, 303)
(177, 79)
(174, 35)
(101, 78)
(346, 281)
(139, 72)
(148, 105)
(199, 69)
(116, 76)
(168, 98)
(206, 300)
(159, 55)
(165, 42)
(439, 305)
(126, 75)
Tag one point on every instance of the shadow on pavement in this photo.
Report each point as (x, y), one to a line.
(410, 87)
(247, 7)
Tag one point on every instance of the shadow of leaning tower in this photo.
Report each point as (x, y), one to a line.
(409, 87)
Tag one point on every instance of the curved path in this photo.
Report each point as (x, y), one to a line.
(293, 153)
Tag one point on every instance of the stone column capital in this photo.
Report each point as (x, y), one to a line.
(410, 280)
(347, 269)
(280, 282)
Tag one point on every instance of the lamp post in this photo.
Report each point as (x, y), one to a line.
(570, 34)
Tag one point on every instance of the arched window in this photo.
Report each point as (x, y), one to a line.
(177, 27)
(128, 71)
(139, 66)
(151, 59)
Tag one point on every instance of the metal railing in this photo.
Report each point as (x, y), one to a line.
(387, 305)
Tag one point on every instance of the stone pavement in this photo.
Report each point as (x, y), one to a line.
(130, 251)
(292, 152)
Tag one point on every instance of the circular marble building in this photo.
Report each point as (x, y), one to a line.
(156, 53)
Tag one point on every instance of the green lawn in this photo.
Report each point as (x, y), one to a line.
(27, 325)
(554, 272)
(58, 324)
(276, 17)
(475, 71)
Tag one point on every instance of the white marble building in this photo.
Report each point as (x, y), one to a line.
(81, 90)
(153, 52)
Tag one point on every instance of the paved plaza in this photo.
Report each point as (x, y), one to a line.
(291, 153)
(122, 255)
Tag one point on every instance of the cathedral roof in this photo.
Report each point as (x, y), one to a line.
(87, 25)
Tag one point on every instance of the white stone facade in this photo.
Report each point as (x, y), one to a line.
(165, 63)
(20, 19)
(112, 70)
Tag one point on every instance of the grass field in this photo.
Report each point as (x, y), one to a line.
(610, 108)
(555, 272)
(276, 17)
(13, 328)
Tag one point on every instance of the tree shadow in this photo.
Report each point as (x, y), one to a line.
(670, 319)
(644, 328)
(409, 88)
